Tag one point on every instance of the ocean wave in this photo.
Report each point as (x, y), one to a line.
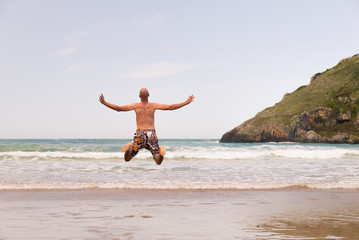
(176, 149)
(198, 153)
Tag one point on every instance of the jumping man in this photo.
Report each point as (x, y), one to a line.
(145, 136)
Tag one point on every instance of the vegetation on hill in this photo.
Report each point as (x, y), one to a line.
(326, 110)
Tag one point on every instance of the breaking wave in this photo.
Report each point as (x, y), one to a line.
(226, 152)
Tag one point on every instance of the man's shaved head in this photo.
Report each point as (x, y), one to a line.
(144, 93)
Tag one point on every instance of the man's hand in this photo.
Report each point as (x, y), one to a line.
(101, 99)
(190, 99)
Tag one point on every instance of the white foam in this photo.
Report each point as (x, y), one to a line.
(225, 153)
(290, 151)
(193, 165)
(198, 150)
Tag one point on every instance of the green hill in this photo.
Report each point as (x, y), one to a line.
(325, 111)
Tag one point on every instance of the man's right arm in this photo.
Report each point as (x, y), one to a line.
(176, 105)
(115, 107)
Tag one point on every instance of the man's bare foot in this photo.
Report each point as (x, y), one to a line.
(160, 156)
(162, 151)
(125, 147)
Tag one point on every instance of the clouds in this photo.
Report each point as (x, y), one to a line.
(73, 40)
(66, 51)
(149, 20)
(142, 71)
(76, 67)
(88, 65)
(158, 69)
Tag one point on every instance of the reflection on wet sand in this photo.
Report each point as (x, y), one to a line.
(334, 218)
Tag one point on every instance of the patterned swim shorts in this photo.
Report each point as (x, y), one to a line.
(145, 139)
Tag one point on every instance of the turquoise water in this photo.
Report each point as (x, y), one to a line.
(188, 164)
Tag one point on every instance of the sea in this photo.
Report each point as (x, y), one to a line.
(195, 164)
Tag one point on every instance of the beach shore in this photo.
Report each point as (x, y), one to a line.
(179, 214)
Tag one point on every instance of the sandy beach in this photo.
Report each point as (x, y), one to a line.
(179, 214)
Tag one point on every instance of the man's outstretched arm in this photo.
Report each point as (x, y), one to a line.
(176, 105)
(113, 106)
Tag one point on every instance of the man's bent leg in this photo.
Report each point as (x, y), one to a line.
(158, 152)
(128, 154)
(131, 149)
(127, 150)
(159, 157)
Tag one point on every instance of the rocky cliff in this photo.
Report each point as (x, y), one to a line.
(325, 111)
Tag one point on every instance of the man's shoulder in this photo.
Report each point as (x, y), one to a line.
(154, 105)
(133, 105)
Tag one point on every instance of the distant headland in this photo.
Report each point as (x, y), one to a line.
(325, 111)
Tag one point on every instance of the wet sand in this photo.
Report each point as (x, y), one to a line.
(180, 214)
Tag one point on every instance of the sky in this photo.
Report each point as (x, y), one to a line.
(237, 58)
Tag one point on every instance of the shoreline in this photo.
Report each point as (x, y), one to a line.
(175, 189)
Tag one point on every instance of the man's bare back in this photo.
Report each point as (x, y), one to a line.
(145, 115)
(145, 135)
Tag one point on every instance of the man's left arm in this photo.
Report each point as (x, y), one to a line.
(176, 105)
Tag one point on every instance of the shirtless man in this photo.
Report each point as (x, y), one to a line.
(145, 136)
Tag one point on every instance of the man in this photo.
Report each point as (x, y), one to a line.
(145, 136)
